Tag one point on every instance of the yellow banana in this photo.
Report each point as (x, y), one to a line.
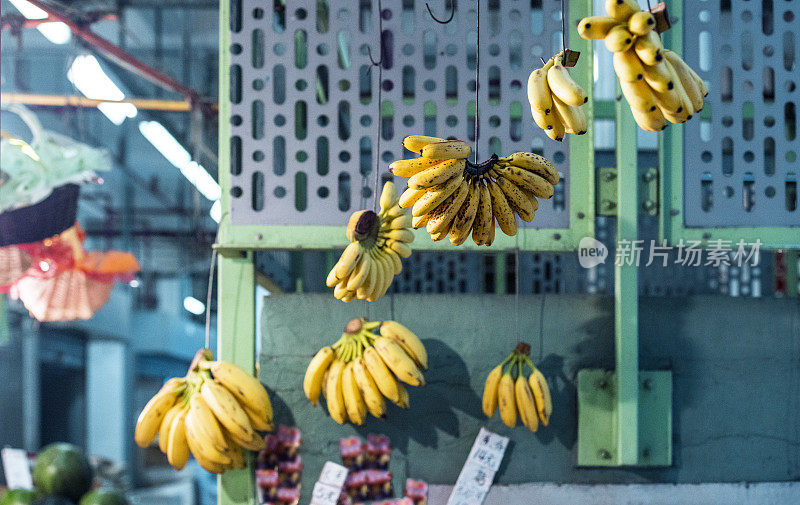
(347, 262)
(403, 401)
(683, 72)
(558, 130)
(395, 259)
(506, 401)
(420, 221)
(649, 48)
(438, 174)
(378, 281)
(443, 215)
(538, 89)
(413, 166)
(535, 163)
(369, 390)
(388, 195)
(653, 121)
(369, 281)
(639, 95)
(360, 274)
(516, 198)
(163, 430)
(669, 101)
(208, 458)
(502, 210)
(622, 9)
(247, 389)
(465, 217)
(400, 222)
(484, 218)
(542, 120)
(490, 391)
(227, 410)
(525, 180)
(541, 392)
(415, 143)
(410, 197)
(619, 39)
(435, 196)
(254, 443)
(398, 361)
(446, 150)
(573, 117)
(563, 86)
(257, 421)
(628, 66)
(659, 77)
(681, 67)
(312, 383)
(410, 343)
(401, 235)
(237, 456)
(202, 424)
(596, 27)
(334, 395)
(353, 402)
(400, 248)
(526, 403)
(152, 415)
(384, 379)
(641, 22)
(177, 446)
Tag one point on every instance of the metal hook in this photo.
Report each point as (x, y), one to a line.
(452, 13)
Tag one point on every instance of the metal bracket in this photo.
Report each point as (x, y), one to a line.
(606, 188)
(598, 419)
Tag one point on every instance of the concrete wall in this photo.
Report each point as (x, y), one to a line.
(735, 363)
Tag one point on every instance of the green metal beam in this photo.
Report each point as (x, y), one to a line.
(236, 343)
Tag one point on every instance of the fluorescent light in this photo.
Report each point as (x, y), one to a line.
(216, 211)
(56, 32)
(174, 152)
(87, 75)
(194, 305)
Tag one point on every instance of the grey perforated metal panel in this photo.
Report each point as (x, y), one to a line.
(740, 159)
(303, 101)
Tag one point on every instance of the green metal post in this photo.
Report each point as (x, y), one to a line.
(236, 343)
(626, 288)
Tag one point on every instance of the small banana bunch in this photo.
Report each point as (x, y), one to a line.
(556, 100)
(369, 263)
(507, 387)
(453, 198)
(213, 413)
(358, 371)
(658, 85)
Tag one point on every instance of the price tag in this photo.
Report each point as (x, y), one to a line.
(16, 468)
(477, 475)
(329, 485)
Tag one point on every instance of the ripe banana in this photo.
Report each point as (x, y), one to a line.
(484, 218)
(653, 121)
(384, 379)
(372, 395)
(596, 27)
(573, 118)
(641, 23)
(622, 9)
(353, 401)
(659, 77)
(415, 143)
(245, 388)
(334, 394)
(520, 202)
(201, 423)
(628, 66)
(502, 210)
(538, 89)
(398, 361)
(541, 392)
(649, 48)
(177, 446)
(446, 150)
(619, 39)
(525, 403)
(465, 217)
(535, 163)
(437, 174)
(506, 400)
(443, 215)
(563, 86)
(410, 343)
(163, 430)
(149, 422)
(403, 400)
(410, 197)
(639, 95)
(490, 390)
(227, 410)
(558, 130)
(684, 74)
(435, 196)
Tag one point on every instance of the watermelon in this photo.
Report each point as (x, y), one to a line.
(62, 470)
(18, 497)
(103, 497)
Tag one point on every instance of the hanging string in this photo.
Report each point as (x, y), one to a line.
(563, 28)
(208, 298)
(516, 282)
(378, 64)
(477, 75)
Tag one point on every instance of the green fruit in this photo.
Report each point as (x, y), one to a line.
(62, 470)
(103, 497)
(18, 497)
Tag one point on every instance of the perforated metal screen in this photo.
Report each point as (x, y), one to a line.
(740, 160)
(303, 101)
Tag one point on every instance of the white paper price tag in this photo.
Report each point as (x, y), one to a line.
(333, 474)
(16, 468)
(324, 494)
(477, 475)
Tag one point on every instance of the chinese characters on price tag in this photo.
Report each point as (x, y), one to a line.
(477, 475)
(329, 486)
(17, 469)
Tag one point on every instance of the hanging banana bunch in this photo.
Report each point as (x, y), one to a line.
(527, 399)
(213, 413)
(369, 263)
(556, 100)
(452, 197)
(658, 85)
(356, 373)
